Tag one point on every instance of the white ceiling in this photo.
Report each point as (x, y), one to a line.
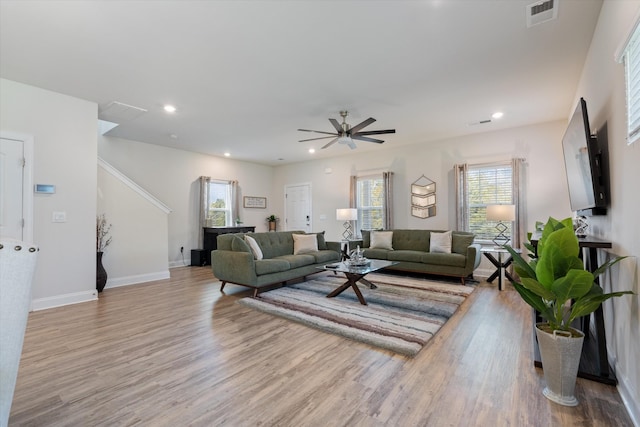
(245, 75)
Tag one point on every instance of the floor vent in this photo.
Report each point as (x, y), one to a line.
(542, 11)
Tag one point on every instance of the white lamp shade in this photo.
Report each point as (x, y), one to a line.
(346, 214)
(501, 212)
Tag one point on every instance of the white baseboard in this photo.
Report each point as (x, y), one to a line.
(66, 299)
(180, 263)
(629, 398)
(138, 278)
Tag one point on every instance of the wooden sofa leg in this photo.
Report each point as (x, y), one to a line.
(222, 286)
(462, 280)
(255, 292)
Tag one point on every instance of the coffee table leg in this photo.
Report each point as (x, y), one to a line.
(352, 279)
(368, 283)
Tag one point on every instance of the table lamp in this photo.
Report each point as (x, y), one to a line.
(347, 215)
(502, 214)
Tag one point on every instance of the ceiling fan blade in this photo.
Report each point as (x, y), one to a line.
(359, 126)
(315, 139)
(317, 131)
(375, 132)
(336, 125)
(364, 138)
(330, 142)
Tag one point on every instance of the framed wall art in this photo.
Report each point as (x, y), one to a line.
(254, 202)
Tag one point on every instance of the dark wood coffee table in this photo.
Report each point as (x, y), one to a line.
(355, 274)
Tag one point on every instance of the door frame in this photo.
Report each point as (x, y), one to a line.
(286, 214)
(27, 181)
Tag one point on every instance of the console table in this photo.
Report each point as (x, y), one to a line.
(210, 240)
(594, 361)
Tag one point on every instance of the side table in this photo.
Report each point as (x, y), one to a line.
(499, 263)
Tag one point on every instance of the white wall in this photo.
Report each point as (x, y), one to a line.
(171, 175)
(540, 145)
(603, 87)
(64, 134)
(139, 249)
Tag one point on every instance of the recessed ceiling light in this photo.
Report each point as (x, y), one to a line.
(312, 150)
(227, 154)
(497, 115)
(169, 108)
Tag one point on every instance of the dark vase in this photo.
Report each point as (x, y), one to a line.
(101, 273)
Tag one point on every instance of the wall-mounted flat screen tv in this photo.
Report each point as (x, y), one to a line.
(582, 158)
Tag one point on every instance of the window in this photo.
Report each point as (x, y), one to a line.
(370, 202)
(630, 56)
(218, 212)
(487, 185)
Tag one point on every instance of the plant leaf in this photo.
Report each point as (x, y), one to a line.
(538, 288)
(533, 300)
(575, 284)
(608, 265)
(589, 304)
(521, 264)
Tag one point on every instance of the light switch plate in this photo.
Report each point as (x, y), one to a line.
(59, 217)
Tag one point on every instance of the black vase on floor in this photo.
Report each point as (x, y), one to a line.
(101, 273)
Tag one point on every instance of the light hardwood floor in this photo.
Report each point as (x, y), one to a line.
(177, 352)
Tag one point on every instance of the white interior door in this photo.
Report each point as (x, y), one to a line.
(298, 207)
(11, 188)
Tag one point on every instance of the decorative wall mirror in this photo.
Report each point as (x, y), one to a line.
(423, 198)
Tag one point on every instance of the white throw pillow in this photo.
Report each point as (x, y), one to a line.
(304, 243)
(441, 242)
(381, 240)
(255, 248)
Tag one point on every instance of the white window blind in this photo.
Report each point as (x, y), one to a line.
(488, 185)
(370, 202)
(631, 58)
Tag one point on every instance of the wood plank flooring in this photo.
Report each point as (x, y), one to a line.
(178, 352)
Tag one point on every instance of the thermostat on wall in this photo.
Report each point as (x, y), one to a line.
(45, 188)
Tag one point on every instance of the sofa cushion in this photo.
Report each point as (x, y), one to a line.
(460, 242)
(376, 253)
(238, 245)
(253, 245)
(366, 237)
(453, 260)
(267, 266)
(304, 243)
(322, 243)
(325, 256)
(296, 261)
(407, 256)
(440, 242)
(274, 244)
(381, 240)
(411, 240)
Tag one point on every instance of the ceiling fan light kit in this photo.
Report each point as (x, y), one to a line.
(345, 134)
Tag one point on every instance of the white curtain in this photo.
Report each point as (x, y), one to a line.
(519, 197)
(387, 182)
(462, 200)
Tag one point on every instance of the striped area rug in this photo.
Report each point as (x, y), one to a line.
(402, 314)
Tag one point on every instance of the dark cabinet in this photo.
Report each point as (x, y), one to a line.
(210, 240)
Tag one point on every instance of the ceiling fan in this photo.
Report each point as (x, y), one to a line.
(345, 134)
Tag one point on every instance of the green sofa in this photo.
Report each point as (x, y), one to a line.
(411, 252)
(234, 262)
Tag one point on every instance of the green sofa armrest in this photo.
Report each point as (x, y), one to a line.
(233, 266)
(473, 256)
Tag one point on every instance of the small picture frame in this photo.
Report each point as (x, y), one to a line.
(254, 202)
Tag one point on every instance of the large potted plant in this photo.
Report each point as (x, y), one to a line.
(556, 284)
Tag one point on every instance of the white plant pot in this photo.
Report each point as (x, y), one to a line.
(560, 353)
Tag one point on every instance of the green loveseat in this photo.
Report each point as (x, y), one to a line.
(411, 252)
(234, 262)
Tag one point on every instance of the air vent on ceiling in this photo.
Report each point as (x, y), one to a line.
(117, 112)
(542, 11)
